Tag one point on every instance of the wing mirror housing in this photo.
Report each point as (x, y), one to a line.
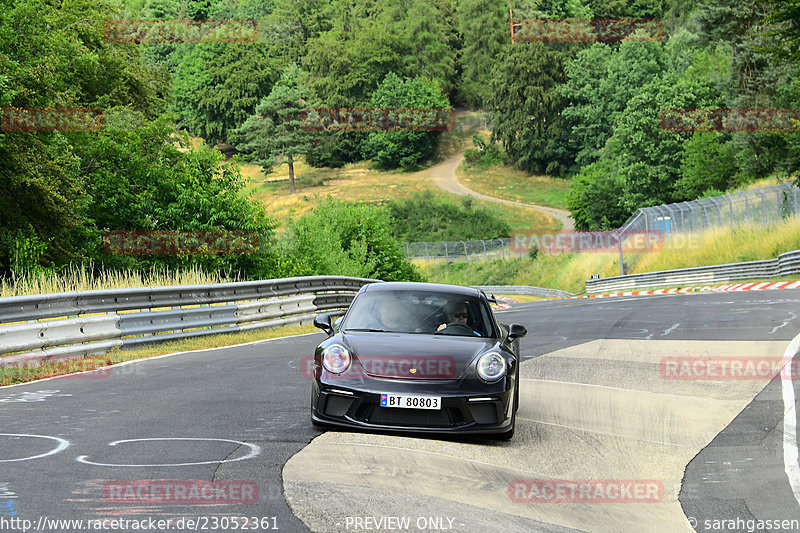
(323, 322)
(516, 331)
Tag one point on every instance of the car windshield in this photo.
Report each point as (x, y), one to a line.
(427, 312)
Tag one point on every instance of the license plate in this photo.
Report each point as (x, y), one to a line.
(408, 401)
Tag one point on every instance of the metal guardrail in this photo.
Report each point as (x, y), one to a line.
(523, 289)
(65, 325)
(784, 265)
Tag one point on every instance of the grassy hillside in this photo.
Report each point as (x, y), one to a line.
(569, 271)
(362, 182)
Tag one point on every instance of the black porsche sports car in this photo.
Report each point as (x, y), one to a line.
(421, 357)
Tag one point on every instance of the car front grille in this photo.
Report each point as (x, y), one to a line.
(388, 416)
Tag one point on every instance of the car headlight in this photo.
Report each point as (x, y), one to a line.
(491, 366)
(336, 358)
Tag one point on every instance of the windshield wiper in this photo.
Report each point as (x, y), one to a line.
(367, 329)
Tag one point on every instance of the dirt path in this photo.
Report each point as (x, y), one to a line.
(444, 176)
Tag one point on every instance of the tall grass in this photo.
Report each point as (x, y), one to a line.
(81, 278)
(570, 271)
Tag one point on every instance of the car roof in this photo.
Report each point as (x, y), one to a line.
(418, 286)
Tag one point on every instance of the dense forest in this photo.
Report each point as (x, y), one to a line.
(581, 111)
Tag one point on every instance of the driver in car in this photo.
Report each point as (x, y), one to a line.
(456, 314)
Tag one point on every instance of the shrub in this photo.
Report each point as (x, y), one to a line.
(347, 239)
(425, 217)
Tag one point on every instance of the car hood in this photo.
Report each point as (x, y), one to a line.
(414, 356)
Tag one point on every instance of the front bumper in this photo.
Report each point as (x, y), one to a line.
(460, 413)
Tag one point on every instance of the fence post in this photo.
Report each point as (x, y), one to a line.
(446, 255)
(746, 206)
(427, 258)
(763, 207)
(484, 249)
(466, 256)
(719, 215)
(503, 247)
(408, 253)
(730, 205)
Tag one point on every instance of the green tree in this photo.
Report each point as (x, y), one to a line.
(709, 162)
(601, 81)
(274, 135)
(345, 239)
(403, 148)
(647, 156)
(138, 179)
(755, 79)
(217, 86)
(347, 63)
(484, 30)
(595, 197)
(527, 107)
(56, 55)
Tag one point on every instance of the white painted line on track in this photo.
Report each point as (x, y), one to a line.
(790, 451)
(62, 445)
(609, 434)
(254, 451)
(132, 361)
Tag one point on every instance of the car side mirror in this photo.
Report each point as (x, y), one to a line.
(516, 331)
(323, 322)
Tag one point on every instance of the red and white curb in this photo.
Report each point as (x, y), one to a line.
(502, 302)
(762, 286)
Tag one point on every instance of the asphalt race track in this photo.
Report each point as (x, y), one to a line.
(597, 409)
